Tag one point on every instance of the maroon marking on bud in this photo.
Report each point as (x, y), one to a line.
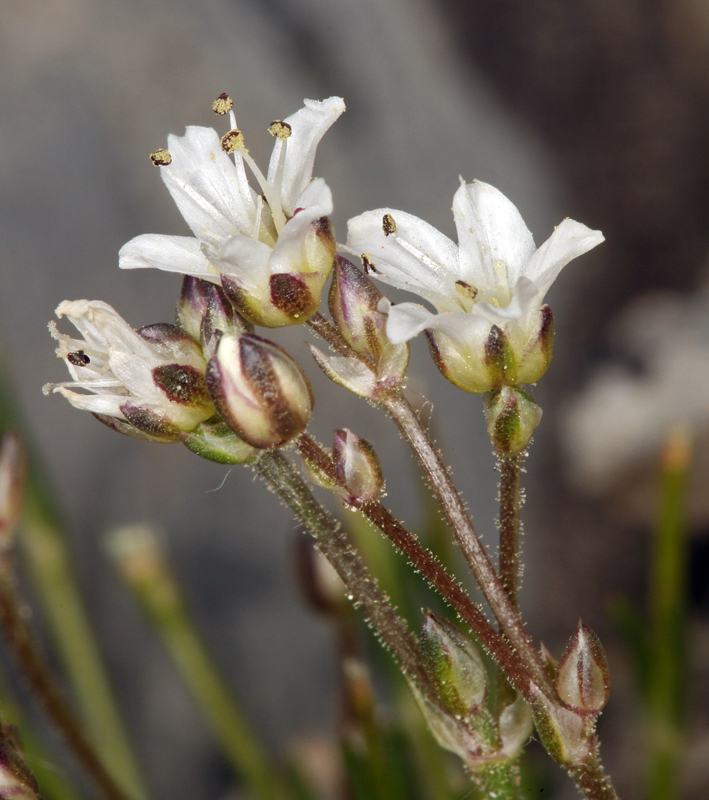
(237, 295)
(263, 378)
(324, 228)
(164, 332)
(182, 384)
(546, 332)
(78, 358)
(120, 426)
(291, 295)
(495, 346)
(435, 352)
(150, 422)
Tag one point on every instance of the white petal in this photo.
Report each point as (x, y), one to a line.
(317, 195)
(525, 298)
(169, 253)
(247, 260)
(211, 192)
(309, 126)
(407, 320)
(569, 240)
(288, 253)
(108, 404)
(490, 228)
(417, 257)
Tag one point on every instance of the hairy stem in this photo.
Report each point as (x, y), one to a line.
(467, 537)
(431, 569)
(280, 474)
(36, 672)
(510, 527)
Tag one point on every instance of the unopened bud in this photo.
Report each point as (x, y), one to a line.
(353, 302)
(583, 676)
(512, 416)
(12, 480)
(454, 665)
(357, 466)
(216, 441)
(260, 391)
(206, 313)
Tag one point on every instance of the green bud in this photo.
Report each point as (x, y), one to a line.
(512, 416)
(583, 676)
(454, 665)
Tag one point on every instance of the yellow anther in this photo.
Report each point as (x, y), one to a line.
(280, 129)
(233, 141)
(161, 158)
(388, 224)
(223, 104)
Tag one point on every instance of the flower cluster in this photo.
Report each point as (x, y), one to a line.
(262, 257)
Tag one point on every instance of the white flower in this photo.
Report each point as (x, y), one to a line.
(491, 327)
(272, 250)
(148, 383)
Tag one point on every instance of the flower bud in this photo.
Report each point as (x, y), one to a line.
(353, 305)
(583, 676)
(12, 480)
(357, 466)
(206, 313)
(260, 391)
(216, 441)
(454, 665)
(512, 416)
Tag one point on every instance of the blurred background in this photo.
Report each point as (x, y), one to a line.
(593, 110)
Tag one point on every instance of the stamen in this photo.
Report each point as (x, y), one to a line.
(427, 260)
(466, 290)
(161, 158)
(78, 358)
(367, 263)
(257, 218)
(272, 198)
(280, 129)
(233, 141)
(222, 104)
(388, 224)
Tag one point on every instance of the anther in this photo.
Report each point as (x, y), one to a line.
(466, 290)
(388, 225)
(161, 158)
(280, 129)
(233, 141)
(367, 263)
(78, 359)
(222, 104)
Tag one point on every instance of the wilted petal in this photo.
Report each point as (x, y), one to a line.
(169, 253)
